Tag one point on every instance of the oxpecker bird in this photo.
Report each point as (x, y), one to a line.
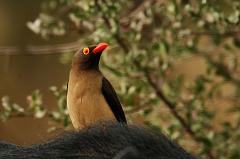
(90, 97)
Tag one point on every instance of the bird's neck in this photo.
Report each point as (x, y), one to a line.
(86, 67)
(83, 76)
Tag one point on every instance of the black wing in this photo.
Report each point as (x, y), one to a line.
(112, 100)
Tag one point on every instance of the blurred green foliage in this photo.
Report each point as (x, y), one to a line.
(150, 38)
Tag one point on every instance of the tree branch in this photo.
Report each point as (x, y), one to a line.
(172, 108)
(157, 90)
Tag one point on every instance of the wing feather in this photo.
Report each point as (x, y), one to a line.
(112, 100)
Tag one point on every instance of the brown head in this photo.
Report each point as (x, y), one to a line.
(88, 57)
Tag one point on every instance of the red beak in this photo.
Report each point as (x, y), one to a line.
(100, 47)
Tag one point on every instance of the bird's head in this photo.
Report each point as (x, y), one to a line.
(88, 57)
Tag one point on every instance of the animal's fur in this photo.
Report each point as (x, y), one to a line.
(102, 141)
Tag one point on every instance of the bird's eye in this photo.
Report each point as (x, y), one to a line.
(86, 51)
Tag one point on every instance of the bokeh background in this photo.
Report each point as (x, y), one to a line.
(174, 64)
(21, 72)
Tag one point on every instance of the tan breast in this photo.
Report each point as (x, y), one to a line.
(85, 102)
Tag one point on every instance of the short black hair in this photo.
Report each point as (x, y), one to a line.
(105, 140)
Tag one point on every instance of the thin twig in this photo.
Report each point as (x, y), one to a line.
(172, 108)
(39, 50)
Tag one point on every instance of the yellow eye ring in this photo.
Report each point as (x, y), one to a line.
(85, 51)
